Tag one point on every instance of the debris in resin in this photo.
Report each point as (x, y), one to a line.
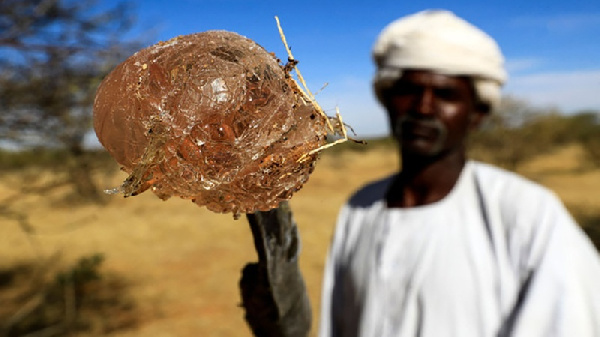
(211, 117)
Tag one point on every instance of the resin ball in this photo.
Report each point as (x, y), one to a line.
(212, 117)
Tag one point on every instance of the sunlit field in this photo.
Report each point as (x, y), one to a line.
(172, 269)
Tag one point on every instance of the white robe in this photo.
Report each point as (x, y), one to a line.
(498, 256)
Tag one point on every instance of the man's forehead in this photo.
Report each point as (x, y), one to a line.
(432, 78)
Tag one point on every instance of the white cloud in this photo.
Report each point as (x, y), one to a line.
(522, 64)
(90, 140)
(566, 23)
(567, 90)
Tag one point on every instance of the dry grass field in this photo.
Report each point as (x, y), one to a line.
(178, 265)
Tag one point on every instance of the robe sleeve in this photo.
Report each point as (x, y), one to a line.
(560, 272)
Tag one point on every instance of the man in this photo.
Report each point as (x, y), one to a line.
(448, 246)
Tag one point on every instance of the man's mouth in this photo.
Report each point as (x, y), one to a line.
(428, 129)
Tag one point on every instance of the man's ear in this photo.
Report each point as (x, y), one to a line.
(481, 111)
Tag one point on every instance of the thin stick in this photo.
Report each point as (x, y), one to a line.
(289, 52)
(326, 146)
(311, 98)
(306, 92)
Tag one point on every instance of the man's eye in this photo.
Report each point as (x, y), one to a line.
(447, 94)
(403, 89)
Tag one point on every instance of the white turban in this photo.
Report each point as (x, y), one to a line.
(442, 42)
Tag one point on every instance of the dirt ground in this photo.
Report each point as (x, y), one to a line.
(183, 262)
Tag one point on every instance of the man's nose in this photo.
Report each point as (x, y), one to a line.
(425, 102)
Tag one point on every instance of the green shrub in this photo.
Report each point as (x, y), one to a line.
(78, 300)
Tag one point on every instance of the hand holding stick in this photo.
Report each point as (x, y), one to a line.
(273, 291)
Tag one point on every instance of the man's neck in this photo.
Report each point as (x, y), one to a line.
(424, 181)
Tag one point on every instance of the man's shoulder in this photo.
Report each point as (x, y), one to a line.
(508, 187)
(493, 176)
(370, 193)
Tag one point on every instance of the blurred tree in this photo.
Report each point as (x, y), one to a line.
(518, 131)
(584, 126)
(511, 134)
(53, 54)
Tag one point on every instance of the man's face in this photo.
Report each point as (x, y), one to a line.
(431, 113)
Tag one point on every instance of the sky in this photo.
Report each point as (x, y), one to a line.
(551, 47)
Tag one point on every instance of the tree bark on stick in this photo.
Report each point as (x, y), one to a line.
(273, 291)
